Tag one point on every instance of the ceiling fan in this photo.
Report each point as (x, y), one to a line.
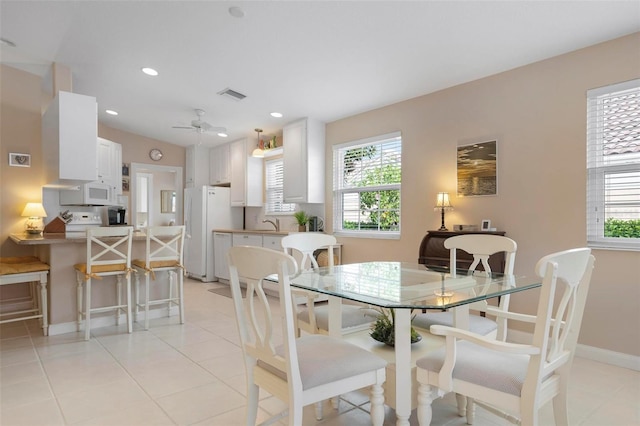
(201, 126)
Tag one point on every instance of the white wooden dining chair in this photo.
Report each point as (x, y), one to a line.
(515, 380)
(314, 317)
(480, 246)
(163, 253)
(108, 254)
(300, 371)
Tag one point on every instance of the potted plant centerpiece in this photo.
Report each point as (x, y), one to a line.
(383, 329)
(302, 218)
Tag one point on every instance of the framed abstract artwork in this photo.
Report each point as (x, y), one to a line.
(477, 169)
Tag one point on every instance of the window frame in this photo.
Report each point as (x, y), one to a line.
(598, 170)
(338, 191)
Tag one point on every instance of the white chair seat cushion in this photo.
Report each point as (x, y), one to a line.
(477, 324)
(482, 366)
(325, 359)
(352, 316)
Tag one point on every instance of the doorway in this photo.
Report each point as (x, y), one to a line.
(148, 181)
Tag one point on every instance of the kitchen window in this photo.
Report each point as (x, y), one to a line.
(367, 177)
(613, 166)
(274, 188)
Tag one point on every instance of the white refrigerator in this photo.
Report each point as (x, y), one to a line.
(206, 208)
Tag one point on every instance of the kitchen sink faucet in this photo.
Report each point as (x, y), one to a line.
(275, 224)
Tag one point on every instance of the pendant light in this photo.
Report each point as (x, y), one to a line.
(258, 152)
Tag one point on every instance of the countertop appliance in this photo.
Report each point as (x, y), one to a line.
(206, 208)
(116, 216)
(80, 221)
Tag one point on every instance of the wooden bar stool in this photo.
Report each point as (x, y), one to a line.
(108, 254)
(29, 270)
(164, 251)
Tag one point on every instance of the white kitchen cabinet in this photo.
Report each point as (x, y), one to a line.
(110, 165)
(273, 242)
(303, 161)
(197, 166)
(69, 132)
(246, 175)
(219, 167)
(222, 242)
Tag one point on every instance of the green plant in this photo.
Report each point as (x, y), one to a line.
(618, 228)
(383, 329)
(301, 217)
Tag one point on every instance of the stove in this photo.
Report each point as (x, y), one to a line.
(80, 221)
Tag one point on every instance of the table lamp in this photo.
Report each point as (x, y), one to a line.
(443, 204)
(34, 212)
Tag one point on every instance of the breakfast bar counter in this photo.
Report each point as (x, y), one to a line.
(61, 252)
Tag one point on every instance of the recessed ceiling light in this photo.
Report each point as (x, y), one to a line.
(6, 42)
(236, 12)
(222, 135)
(150, 71)
(276, 114)
(111, 112)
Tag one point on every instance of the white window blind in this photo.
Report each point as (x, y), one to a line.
(366, 186)
(275, 189)
(613, 166)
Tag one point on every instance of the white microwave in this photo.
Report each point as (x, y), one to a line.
(89, 194)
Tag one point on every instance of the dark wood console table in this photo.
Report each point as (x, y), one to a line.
(433, 252)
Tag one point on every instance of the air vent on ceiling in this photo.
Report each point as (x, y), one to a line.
(230, 93)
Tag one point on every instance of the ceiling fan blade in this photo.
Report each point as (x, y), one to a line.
(183, 127)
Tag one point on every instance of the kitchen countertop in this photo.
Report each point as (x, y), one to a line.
(48, 239)
(253, 231)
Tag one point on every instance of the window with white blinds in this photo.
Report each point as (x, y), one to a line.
(613, 166)
(367, 176)
(275, 188)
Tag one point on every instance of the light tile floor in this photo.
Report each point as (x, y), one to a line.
(193, 374)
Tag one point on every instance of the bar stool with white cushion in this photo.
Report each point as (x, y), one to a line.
(163, 253)
(108, 255)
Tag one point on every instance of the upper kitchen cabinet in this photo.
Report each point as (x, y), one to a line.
(219, 167)
(303, 161)
(110, 164)
(69, 133)
(197, 166)
(246, 175)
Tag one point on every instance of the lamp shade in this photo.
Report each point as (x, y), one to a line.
(443, 200)
(258, 153)
(34, 210)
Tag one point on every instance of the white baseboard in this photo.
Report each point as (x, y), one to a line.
(604, 356)
(108, 320)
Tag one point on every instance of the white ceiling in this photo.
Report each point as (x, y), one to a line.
(321, 59)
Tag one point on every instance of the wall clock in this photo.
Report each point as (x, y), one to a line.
(155, 154)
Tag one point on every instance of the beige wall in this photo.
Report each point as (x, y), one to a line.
(537, 113)
(21, 104)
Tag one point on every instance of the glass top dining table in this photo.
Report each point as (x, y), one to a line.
(404, 287)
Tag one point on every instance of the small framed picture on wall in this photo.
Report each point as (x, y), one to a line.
(19, 160)
(485, 225)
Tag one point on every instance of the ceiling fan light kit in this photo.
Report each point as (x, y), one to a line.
(201, 126)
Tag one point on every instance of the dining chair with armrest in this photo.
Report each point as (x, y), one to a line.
(480, 246)
(300, 371)
(314, 318)
(515, 380)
